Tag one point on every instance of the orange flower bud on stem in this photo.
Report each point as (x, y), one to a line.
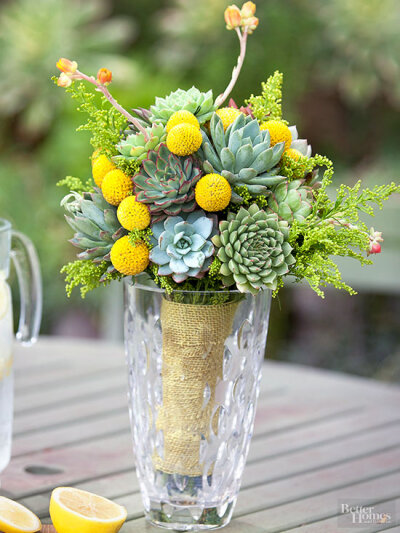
(104, 76)
(236, 18)
(248, 10)
(67, 66)
(70, 72)
(233, 17)
(64, 80)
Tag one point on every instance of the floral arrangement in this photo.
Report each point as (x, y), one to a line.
(203, 195)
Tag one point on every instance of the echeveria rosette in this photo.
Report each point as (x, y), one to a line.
(253, 249)
(200, 104)
(166, 183)
(182, 246)
(242, 155)
(136, 147)
(291, 200)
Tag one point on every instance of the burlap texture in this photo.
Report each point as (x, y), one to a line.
(193, 350)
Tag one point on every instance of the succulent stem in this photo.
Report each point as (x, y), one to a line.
(236, 70)
(103, 89)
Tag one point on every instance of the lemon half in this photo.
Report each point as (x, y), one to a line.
(74, 510)
(15, 518)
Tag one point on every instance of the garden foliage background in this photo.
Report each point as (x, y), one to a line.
(341, 88)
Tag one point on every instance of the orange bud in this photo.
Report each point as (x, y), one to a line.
(248, 10)
(67, 66)
(64, 80)
(233, 18)
(251, 24)
(104, 76)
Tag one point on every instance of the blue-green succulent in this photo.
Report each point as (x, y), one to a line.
(182, 245)
(242, 154)
(200, 104)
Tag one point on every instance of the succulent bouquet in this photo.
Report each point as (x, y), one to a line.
(207, 196)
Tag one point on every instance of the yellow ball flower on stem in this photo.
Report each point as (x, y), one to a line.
(182, 117)
(129, 259)
(116, 186)
(101, 166)
(228, 115)
(184, 139)
(278, 131)
(213, 192)
(132, 214)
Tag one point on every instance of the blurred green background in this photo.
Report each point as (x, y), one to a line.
(342, 89)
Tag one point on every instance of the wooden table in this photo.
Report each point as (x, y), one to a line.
(320, 438)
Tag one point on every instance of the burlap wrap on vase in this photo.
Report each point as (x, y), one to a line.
(193, 350)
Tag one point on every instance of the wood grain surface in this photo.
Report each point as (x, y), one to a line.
(320, 437)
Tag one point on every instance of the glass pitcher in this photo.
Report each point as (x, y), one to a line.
(21, 250)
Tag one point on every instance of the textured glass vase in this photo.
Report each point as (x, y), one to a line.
(194, 362)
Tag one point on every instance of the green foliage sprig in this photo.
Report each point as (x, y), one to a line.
(268, 105)
(76, 184)
(105, 123)
(88, 275)
(334, 229)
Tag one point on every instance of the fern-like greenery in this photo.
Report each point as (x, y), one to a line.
(268, 105)
(105, 123)
(87, 275)
(76, 184)
(334, 229)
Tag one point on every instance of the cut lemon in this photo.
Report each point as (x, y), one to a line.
(15, 518)
(74, 510)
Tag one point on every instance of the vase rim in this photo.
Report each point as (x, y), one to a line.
(146, 283)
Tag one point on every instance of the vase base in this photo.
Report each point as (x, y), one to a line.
(189, 517)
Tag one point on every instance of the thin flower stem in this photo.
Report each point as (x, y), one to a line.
(103, 89)
(236, 70)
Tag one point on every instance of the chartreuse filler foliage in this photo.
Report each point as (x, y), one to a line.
(205, 208)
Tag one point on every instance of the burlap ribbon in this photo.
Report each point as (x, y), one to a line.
(193, 350)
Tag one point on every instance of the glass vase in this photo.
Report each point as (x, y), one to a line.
(194, 363)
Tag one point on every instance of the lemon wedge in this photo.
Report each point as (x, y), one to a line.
(73, 510)
(15, 518)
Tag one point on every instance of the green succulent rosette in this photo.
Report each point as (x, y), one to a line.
(95, 222)
(253, 249)
(291, 201)
(200, 104)
(242, 155)
(182, 245)
(136, 147)
(166, 183)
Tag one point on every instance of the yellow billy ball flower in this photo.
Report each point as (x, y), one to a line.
(116, 186)
(132, 214)
(213, 192)
(182, 117)
(129, 259)
(228, 115)
(278, 131)
(100, 167)
(184, 139)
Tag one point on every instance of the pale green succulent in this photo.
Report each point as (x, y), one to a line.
(253, 249)
(135, 147)
(291, 200)
(242, 155)
(95, 223)
(182, 245)
(198, 103)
